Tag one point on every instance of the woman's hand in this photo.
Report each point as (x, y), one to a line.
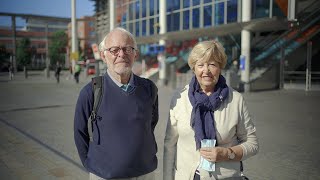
(214, 154)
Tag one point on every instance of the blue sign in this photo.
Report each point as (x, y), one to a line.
(242, 62)
(154, 49)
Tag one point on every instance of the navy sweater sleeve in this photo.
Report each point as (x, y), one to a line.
(82, 113)
(155, 108)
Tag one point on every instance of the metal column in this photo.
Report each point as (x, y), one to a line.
(47, 54)
(245, 45)
(14, 44)
(74, 37)
(162, 56)
(112, 10)
(281, 69)
(308, 69)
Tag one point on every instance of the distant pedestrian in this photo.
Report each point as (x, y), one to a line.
(70, 74)
(57, 71)
(77, 70)
(235, 67)
(11, 72)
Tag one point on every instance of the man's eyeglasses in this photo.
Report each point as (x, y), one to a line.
(116, 50)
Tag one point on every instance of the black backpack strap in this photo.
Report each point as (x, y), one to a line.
(97, 85)
(155, 109)
(154, 91)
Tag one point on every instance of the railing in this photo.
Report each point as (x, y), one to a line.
(310, 8)
(306, 17)
(286, 40)
(305, 78)
(300, 75)
(267, 40)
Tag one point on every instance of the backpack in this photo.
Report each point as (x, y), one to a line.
(97, 85)
(77, 68)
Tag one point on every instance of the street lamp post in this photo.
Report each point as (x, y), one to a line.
(74, 48)
(14, 44)
(47, 53)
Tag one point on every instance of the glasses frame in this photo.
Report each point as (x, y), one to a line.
(124, 49)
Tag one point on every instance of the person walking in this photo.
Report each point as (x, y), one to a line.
(210, 130)
(57, 71)
(123, 143)
(11, 71)
(77, 71)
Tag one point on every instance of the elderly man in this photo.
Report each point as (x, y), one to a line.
(123, 145)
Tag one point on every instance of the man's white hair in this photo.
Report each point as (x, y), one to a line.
(102, 43)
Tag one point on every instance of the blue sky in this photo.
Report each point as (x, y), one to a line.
(58, 8)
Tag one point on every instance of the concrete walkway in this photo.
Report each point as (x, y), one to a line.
(36, 130)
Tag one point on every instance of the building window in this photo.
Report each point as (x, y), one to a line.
(124, 25)
(144, 8)
(207, 16)
(137, 5)
(152, 26)
(186, 3)
(173, 21)
(158, 4)
(9, 46)
(219, 13)
(41, 45)
(195, 2)
(92, 33)
(186, 19)
(131, 11)
(131, 27)
(158, 29)
(138, 16)
(144, 28)
(232, 11)
(195, 18)
(173, 5)
(151, 4)
(137, 29)
(260, 9)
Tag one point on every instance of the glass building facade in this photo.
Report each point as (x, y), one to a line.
(141, 17)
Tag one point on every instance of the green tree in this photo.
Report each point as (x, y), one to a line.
(4, 56)
(57, 47)
(24, 54)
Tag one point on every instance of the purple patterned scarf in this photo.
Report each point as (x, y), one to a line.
(202, 119)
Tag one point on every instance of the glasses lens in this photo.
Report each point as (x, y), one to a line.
(116, 50)
(128, 50)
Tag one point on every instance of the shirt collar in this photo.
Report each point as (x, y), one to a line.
(131, 80)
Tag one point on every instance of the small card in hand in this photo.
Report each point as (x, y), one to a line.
(205, 164)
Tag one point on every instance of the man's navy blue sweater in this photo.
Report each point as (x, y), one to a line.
(124, 144)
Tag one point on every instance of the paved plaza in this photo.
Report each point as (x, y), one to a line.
(36, 130)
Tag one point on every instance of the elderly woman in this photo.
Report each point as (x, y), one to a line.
(210, 130)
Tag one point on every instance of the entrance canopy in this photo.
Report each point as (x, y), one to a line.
(255, 25)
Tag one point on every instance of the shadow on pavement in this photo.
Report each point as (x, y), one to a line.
(43, 144)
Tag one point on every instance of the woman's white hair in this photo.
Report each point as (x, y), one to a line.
(102, 43)
(206, 51)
